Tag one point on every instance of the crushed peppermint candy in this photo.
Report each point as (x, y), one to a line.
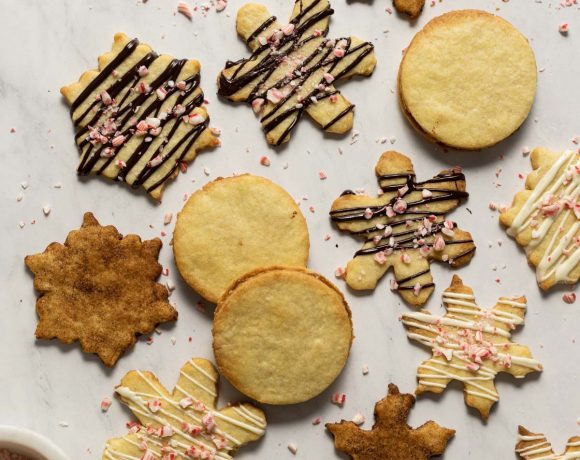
(316, 421)
(106, 403)
(339, 272)
(569, 297)
(265, 161)
(564, 28)
(183, 8)
(338, 398)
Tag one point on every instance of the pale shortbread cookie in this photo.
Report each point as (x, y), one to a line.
(139, 117)
(533, 446)
(467, 80)
(234, 225)
(292, 69)
(470, 344)
(404, 228)
(184, 423)
(282, 335)
(545, 217)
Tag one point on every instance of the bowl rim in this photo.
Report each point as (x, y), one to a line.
(35, 442)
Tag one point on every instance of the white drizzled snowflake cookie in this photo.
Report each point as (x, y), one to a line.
(184, 423)
(533, 446)
(139, 118)
(293, 68)
(404, 228)
(545, 217)
(470, 344)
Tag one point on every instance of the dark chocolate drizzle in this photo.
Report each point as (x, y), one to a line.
(404, 237)
(266, 59)
(132, 106)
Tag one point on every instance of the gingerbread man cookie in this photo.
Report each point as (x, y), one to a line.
(404, 228)
(471, 345)
(139, 117)
(293, 68)
(545, 217)
(184, 423)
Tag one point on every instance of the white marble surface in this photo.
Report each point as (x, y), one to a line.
(45, 386)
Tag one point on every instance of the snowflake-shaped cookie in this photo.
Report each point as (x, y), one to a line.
(470, 344)
(185, 423)
(533, 446)
(404, 228)
(545, 217)
(99, 288)
(139, 118)
(391, 438)
(293, 68)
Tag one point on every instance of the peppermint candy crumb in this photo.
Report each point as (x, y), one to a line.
(365, 369)
(338, 398)
(569, 297)
(564, 28)
(358, 419)
(183, 8)
(264, 161)
(106, 403)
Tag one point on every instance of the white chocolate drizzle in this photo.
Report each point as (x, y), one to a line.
(470, 344)
(537, 447)
(552, 203)
(188, 425)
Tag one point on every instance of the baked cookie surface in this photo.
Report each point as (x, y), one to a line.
(467, 80)
(292, 69)
(405, 228)
(139, 117)
(184, 423)
(391, 438)
(99, 288)
(471, 345)
(533, 446)
(545, 217)
(235, 225)
(282, 335)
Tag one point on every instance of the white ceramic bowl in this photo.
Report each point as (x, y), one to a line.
(29, 443)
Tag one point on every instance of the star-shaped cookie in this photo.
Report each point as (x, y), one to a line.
(470, 344)
(139, 117)
(533, 446)
(391, 438)
(404, 228)
(545, 217)
(293, 68)
(185, 423)
(99, 288)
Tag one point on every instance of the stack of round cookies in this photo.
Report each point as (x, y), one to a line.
(282, 333)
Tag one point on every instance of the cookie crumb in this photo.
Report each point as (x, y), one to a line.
(358, 419)
(46, 210)
(292, 448)
(167, 218)
(365, 369)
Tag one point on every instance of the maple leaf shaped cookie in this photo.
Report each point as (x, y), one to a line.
(293, 68)
(470, 344)
(99, 288)
(404, 228)
(545, 217)
(391, 438)
(533, 446)
(139, 117)
(185, 423)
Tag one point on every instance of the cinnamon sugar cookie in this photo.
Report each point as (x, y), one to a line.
(293, 68)
(282, 335)
(467, 80)
(545, 217)
(234, 225)
(139, 117)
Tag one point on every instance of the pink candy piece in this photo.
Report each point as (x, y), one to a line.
(265, 161)
(257, 105)
(569, 297)
(183, 8)
(106, 403)
(338, 398)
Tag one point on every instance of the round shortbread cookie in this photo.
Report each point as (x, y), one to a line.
(467, 80)
(235, 225)
(282, 335)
